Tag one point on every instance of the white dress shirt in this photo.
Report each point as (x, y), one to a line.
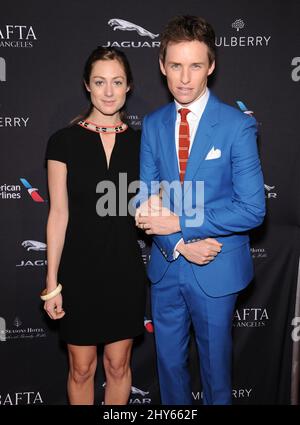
(193, 118)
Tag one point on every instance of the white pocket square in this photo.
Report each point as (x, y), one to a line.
(213, 154)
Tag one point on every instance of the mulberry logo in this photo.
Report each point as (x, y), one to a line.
(33, 191)
(2, 69)
(13, 121)
(238, 24)
(253, 40)
(122, 25)
(236, 393)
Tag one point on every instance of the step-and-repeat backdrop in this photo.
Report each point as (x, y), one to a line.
(43, 47)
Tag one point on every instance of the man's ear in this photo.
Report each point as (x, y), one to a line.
(211, 68)
(162, 67)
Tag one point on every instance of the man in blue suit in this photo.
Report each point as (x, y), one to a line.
(200, 257)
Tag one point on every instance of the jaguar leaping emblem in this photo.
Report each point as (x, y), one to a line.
(34, 245)
(268, 188)
(120, 24)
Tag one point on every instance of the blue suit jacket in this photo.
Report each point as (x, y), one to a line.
(233, 200)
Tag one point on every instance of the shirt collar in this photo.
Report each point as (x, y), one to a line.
(197, 107)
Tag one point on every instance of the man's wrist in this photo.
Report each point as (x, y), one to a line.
(177, 224)
(181, 247)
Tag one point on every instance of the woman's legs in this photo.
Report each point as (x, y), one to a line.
(116, 360)
(83, 363)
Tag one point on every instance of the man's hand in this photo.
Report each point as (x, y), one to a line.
(155, 219)
(200, 252)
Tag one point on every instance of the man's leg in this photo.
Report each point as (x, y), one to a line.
(172, 331)
(212, 320)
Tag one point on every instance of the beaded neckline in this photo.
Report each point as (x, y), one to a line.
(119, 128)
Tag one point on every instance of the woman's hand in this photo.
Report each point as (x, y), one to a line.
(54, 308)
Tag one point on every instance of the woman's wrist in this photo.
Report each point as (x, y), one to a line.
(48, 295)
(51, 283)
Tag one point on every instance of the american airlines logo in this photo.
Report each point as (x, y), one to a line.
(32, 191)
(244, 108)
(122, 25)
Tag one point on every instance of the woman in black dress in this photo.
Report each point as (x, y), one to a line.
(93, 253)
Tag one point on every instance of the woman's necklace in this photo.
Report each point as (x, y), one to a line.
(119, 128)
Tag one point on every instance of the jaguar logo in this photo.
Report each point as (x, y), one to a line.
(120, 24)
(34, 245)
(134, 390)
(268, 188)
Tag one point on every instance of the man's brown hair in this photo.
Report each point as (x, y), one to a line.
(188, 28)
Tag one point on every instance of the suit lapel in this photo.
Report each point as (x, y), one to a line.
(203, 138)
(168, 144)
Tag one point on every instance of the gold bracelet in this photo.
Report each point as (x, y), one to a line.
(47, 296)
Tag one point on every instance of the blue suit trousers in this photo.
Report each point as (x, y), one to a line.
(177, 302)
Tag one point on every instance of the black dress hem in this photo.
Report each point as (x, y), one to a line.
(107, 341)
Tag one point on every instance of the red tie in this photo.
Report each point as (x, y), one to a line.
(184, 142)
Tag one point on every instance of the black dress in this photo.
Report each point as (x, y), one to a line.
(101, 269)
